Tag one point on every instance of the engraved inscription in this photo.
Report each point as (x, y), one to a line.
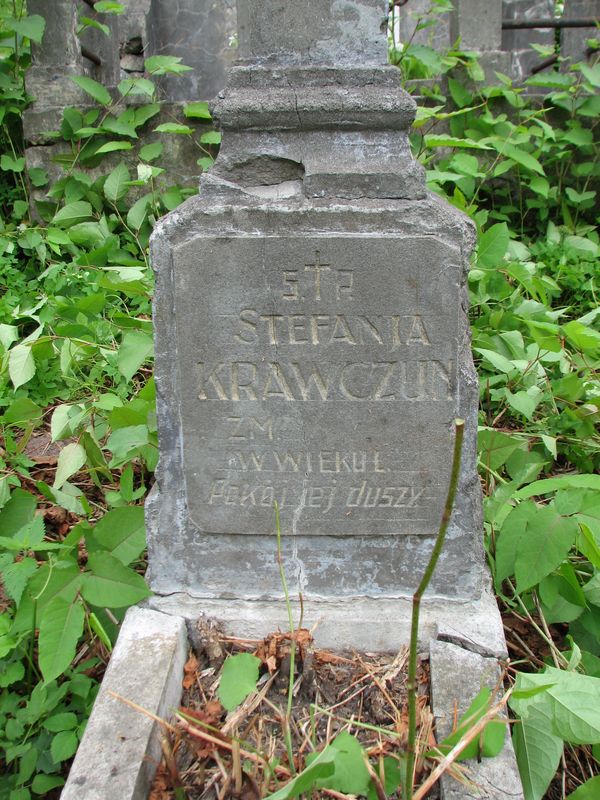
(320, 373)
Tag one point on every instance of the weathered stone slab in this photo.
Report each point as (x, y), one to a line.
(120, 749)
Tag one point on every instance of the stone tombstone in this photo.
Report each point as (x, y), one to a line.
(312, 341)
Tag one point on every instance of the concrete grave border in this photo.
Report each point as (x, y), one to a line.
(120, 749)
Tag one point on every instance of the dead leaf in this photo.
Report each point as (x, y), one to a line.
(189, 672)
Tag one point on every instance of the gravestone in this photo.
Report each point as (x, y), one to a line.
(312, 348)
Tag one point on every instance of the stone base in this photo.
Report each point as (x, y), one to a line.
(363, 623)
(120, 749)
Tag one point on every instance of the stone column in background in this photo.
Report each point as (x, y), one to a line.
(199, 31)
(573, 41)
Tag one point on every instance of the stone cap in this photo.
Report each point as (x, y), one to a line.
(340, 32)
(314, 98)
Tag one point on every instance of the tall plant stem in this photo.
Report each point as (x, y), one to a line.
(416, 605)
(288, 605)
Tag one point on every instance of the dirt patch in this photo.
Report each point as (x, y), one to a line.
(242, 754)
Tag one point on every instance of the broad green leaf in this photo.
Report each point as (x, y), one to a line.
(538, 752)
(197, 110)
(111, 147)
(73, 213)
(434, 140)
(496, 447)
(124, 441)
(540, 186)
(61, 626)
(64, 721)
(350, 775)
(21, 410)
(173, 127)
(21, 365)
(522, 157)
(554, 484)
(63, 746)
(532, 542)
(393, 775)
(131, 86)
(571, 703)
(121, 532)
(497, 360)
(493, 245)
(8, 335)
(161, 65)
(110, 584)
(524, 402)
(42, 784)
(115, 186)
(149, 152)
(211, 137)
(32, 27)
(16, 575)
(18, 512)
(133, 352)
(583, 337)
(238, 679)
(93, 88)
(490, 743)
(109, 7)
(321, 767)
(138, 212)
(70, 461)
(590, 790)
(10, 164)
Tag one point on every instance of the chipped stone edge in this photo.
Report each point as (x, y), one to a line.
(120, 749)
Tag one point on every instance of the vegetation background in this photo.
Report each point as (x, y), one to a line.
(77, 397)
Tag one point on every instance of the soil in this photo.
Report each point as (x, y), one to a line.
(213, 755)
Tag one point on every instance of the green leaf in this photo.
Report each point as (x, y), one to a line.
(211, 137)
(133, 352)
(173, 127)
(124, 441)
(538, 752)
(496, 447)
(111, 147)
(522, 157)
(15, 577)
(434, 140)
(33, 27)
(138, 212)
(493, 245)
(70, 460)
(582, 337)
(524, 402)
(93, 88)
(350, 775)
(63, 746)
(590, 790)
(150, 152)
(110, 584)
(497, 360)
(109, 7)
(43, 784)
(490, 743)
(532, 542)
(121, 532)
(61, 626)
(21, 410)
(21, 365)
(10, 164)
(115, 186)
(321, 767)
(131, 86)
(73, 213)
(238, 679)
(197, 110)
(554, 484)
(65, 721)
(161, 65)
(17, 513)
